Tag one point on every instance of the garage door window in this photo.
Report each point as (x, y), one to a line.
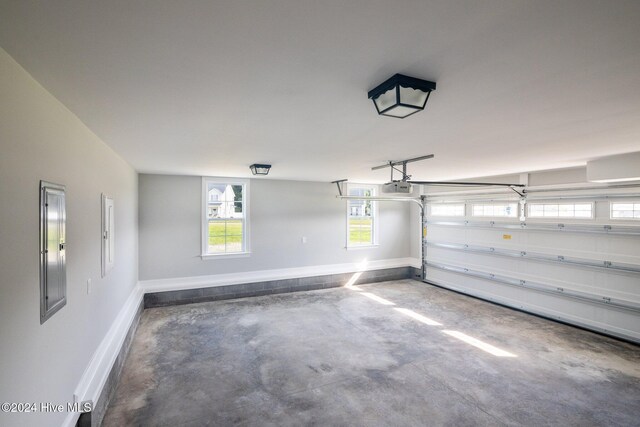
(508, 210)
(625, 210)
(447, 209)
(561, 210)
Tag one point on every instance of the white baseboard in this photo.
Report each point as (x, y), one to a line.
(182, 283)
(97, 372)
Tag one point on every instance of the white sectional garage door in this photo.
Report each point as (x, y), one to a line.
(560, 261)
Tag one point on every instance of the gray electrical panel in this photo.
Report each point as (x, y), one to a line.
(53, 275)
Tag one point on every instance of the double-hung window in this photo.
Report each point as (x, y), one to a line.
(225, 216)
(361, 217)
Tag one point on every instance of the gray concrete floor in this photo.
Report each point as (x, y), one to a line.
(342, 357)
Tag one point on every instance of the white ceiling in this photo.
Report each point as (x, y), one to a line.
(208, 87)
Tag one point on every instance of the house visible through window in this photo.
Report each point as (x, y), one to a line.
(625, 210)
(361, 217)
(225, 226)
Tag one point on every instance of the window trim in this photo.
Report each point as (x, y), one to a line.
(204, 221)
(375, 216)
(590, 218)
(516, 216)
(626, 202)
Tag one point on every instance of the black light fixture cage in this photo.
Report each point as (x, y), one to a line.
(391, 99)
(260, 169)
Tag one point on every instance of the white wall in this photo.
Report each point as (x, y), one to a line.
(41, 139)
(559, 176)
(281, 212)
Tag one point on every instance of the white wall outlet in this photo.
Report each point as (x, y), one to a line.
(88, 286)
(304, 239)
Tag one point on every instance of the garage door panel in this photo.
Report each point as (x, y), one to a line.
(617, 284)
(618, 322)
(616, 247)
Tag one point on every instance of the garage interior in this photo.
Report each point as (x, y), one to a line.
(320, 213)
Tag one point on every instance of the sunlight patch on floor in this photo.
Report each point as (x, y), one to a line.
(418, 317)
(425, 320)
(377, 298)
(479, 344)
(351, 283)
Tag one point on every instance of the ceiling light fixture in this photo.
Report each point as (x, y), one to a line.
(401, 96)
(258, 169)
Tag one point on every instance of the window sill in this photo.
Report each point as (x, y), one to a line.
(225, 256)
(361, 247)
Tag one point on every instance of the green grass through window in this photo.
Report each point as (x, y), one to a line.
(360, 231)
(225, 236)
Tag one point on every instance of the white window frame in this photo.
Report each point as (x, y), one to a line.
(515, 216)
(374, 215)
(584, 218)
(204, 234)
(464, 209)
(622, 202)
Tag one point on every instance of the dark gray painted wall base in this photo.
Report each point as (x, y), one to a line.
(94, 418)
(160, 299)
